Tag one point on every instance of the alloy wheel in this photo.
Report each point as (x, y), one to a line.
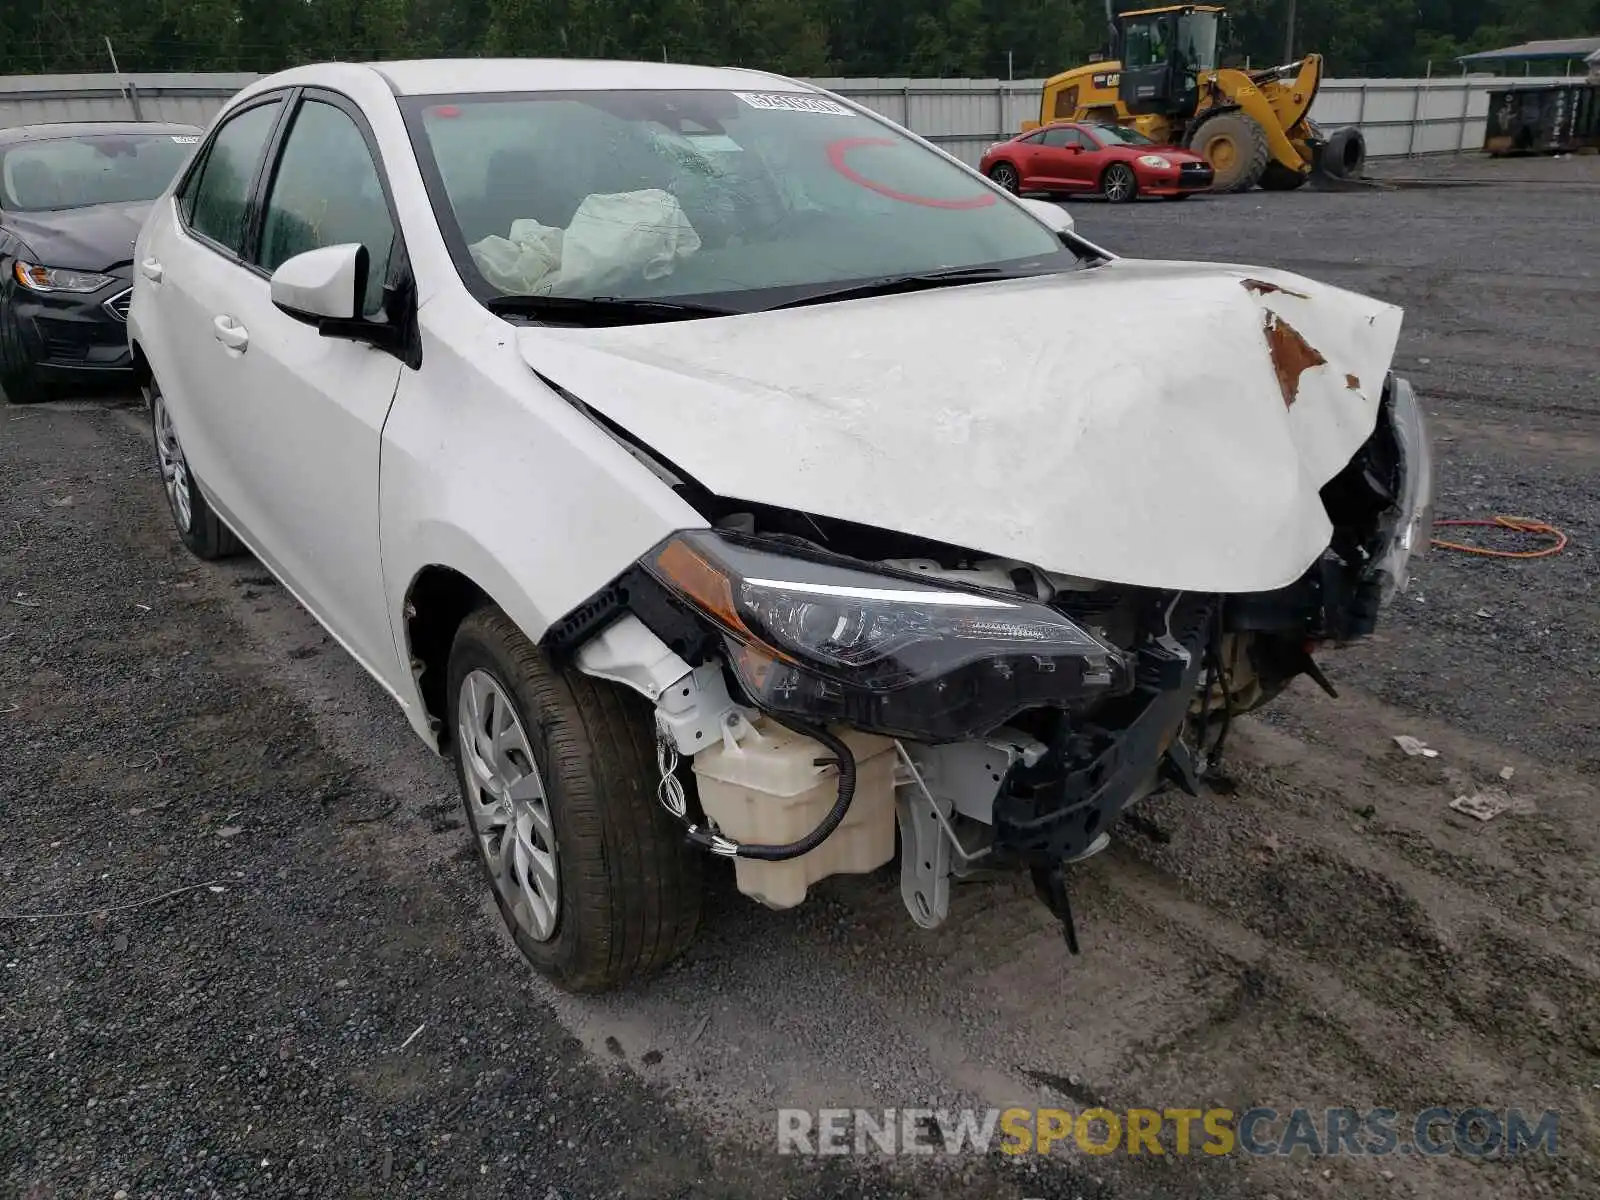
(1006, 176)
(1119, 184)
(508, 806)
(174, 467)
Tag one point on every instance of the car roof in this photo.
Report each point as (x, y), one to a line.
(467, 76)
(46, 130)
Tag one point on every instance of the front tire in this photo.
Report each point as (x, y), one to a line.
(20, 387)
(1005, 175)
(16, 378)
(1236, 147)
(1118, 184)
(594, 879)
(199, 528)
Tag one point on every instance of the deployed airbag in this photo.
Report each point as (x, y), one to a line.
(612, 238)
(528, 263)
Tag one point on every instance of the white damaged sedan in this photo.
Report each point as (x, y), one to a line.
(712, 468)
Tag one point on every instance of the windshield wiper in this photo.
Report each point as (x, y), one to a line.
(602, 310)
(890, 285)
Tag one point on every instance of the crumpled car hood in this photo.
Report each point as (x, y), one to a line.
(96, 238)
(1150, 423)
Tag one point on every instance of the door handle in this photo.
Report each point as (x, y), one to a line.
(150, 268)
(230, 333)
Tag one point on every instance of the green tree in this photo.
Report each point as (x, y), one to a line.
(799, 37)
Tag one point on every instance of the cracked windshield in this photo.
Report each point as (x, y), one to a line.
(667, 194)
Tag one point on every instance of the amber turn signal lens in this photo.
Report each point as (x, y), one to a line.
(704, 582)
(700, 581)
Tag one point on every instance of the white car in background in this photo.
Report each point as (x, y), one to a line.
(710, 466)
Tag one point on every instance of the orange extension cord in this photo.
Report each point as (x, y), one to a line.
(1517, 524)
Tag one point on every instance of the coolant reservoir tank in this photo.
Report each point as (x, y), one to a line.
(768, 788)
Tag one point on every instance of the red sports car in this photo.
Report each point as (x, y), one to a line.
(1112, 160)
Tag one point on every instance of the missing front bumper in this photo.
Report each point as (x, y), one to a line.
(1057, 810)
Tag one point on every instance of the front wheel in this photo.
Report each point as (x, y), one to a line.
(1118, 184)
(1006, 176)
(1237, 149)
(21, 388)
(593, 878)
(16, 379)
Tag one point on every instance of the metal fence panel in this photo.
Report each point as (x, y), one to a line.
(190, 98)
(963, 116)
(1399, 117)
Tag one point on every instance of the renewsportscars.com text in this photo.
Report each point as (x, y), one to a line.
(1217, 1132)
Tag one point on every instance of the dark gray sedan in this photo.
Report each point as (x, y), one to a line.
(72, 199)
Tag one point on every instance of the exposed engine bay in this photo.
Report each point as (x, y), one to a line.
(826, 691)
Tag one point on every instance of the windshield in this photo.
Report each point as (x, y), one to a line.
(1121, 135)
(1188, 41)
(102, 168)
(1144, 42)
(754, 198)
(1197, 41)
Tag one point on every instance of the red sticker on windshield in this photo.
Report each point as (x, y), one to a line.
(839, 150)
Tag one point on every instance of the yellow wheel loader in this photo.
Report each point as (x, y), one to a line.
(1163, 79)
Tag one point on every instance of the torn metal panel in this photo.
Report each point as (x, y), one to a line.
(1032, 420)
(1262, 288)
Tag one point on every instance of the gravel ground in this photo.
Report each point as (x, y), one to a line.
(333, 1012)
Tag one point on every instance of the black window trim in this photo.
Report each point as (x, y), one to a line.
(264, 183)
(404, 339)
(280, 96)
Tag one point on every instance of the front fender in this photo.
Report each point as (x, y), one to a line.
(488, 471)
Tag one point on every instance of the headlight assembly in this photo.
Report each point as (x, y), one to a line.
(1154, 160)
(1413, 527)
(824, 639)
(57, 279)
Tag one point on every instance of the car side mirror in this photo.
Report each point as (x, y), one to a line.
(1053, 215)
(325, 284)
(327, 288)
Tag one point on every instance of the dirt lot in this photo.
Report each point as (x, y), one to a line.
(333, 1012)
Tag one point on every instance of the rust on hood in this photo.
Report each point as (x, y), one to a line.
(1292, 356)
(1262, 288)
(1351, 382)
